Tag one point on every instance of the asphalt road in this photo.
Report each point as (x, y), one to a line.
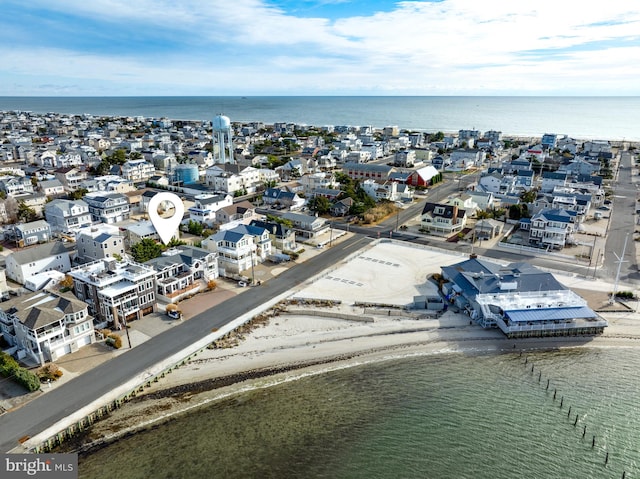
(46, 410)
(622, 225)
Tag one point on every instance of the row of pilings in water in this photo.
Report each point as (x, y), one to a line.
(560, 399)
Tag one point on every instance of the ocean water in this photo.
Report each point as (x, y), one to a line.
(447, 416)
(606, 118)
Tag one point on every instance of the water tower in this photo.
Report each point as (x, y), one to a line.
(222, 136)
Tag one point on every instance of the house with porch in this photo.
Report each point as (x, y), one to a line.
(206, 206)
(183, 271)
(236, 251)
(550, 228)
(67, 215)
(44, 326)
(115, 291)
(442, 220)
(108, 208)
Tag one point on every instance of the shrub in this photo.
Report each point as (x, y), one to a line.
(50, 372)
(7, 364)
(26, 378)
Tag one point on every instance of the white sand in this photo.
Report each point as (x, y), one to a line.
(301, 344)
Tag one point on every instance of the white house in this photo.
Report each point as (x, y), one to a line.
(67, 215)
(45, 326)
(206, 205)
(20, 265)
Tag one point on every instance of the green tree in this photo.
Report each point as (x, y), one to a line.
(529, 196)
(195, 228)
(26, 213)
(145, 250)
(319, 204)
(78, 194)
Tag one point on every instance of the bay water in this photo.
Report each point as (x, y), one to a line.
(447, 416)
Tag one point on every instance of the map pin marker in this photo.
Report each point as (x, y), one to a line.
(166, 227)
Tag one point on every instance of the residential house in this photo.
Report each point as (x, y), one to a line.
(137, 170)
(487, 229)
(465, 202)
(242, 212)
(465, 159)
(280, 199)
(108, 208)
(484, 200)
(51, 187)
(183, 271)
(520, 299)
(552, 179)
(307, 226)
(282, 237)
(206, 206)
(27, 234)
(236, 251)
(136, 232)
(15, 185)
(71, 178)
(341, 207)
(98, 242)
(44, 326)
(405, 158)
(442, 220)
(115, 291)
(580, 166)
(358, 171)
(381, 191)
(551, 228)
(20, 265)
(67, 215)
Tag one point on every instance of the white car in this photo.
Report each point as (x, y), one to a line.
(242, 284)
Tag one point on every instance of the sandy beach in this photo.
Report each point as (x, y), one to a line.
(305, 335)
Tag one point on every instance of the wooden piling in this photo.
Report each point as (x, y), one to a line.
(576, 421)
(569, 413)
(548, 383)
(593, 442)
(584, 431)
(554, 394)
(606, 459)
(540, 376)
(561, 401)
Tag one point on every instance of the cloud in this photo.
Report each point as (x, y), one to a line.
(253, 46)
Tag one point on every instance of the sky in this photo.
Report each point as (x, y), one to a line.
(325, 47)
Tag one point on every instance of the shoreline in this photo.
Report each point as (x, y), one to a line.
(307, 348)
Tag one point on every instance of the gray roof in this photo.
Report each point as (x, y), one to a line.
(36, 253)
(182, 254)
(475, 276)
(32, 225)
(39, 309)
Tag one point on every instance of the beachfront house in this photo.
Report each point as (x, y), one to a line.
(519, 299)
(45, 325)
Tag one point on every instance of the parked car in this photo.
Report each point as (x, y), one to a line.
(242, 284)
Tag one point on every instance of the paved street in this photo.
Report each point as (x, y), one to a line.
(46, 410)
